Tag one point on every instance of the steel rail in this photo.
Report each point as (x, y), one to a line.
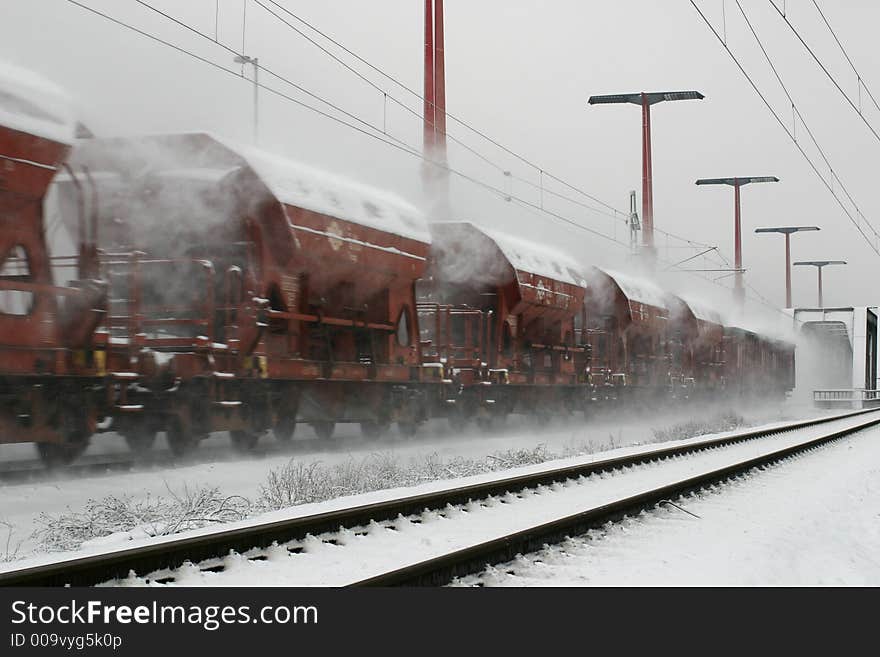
(168, 554)
(213, 451)
(441, 570)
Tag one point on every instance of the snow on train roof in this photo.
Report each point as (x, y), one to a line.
(537, 258)
(703, 311)
(761, 329)
(207, 158)
(30, 103)
(638, 289)
(198, 174)
(295, 183)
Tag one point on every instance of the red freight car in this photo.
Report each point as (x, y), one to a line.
(704, 348)
(529, 297)
(216, 287)
(47, 372)
(682, 334)
(632, 316)
(757, 366)
(255, 292)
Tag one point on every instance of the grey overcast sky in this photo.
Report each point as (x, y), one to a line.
(521, 71)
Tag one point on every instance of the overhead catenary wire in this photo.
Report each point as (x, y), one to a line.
(396, 143)
(408, 148)
(421, 98)
(825, 70)
(543, 173)
(386, 96)
(232, 51)
(374, 134)
(399, 145)
(681, 262)
(617, 214)
(800, 116)
(828, 186)
(860, 80)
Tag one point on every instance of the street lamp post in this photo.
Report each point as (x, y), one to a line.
(819, 264)
(787, 231)
(244, 59)
(736, 183)
(646, 100)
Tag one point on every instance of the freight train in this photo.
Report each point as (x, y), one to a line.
(212, 287)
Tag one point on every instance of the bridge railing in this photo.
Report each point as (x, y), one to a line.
(852, 397)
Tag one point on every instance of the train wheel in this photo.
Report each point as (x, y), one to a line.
(484, 419)
(407, 429)
(534, 418)
(458, 421)
(55, 455)
(589, 410)
(180, 440)
(140, 440)
(374, 428)
(324, 430)
(75, 431)
(284, 428)
(244, 441)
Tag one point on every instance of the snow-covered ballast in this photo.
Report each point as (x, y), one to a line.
(530, 295)
(631, 316)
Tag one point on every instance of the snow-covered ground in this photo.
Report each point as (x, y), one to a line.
(812, 520)
(22, 504)
(352, 554)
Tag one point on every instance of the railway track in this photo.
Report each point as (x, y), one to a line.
(652, 475)
(213, 450)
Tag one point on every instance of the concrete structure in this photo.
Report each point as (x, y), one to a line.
(838, 359)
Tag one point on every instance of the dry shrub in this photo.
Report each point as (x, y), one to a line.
(301, 483)
(9, 549)
(698, 427)
(153, 516)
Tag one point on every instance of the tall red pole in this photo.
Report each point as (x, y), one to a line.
(739, 292)
(820, 287)
(647, 182)
(788, 270)
(439, 81)
(429, 80)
